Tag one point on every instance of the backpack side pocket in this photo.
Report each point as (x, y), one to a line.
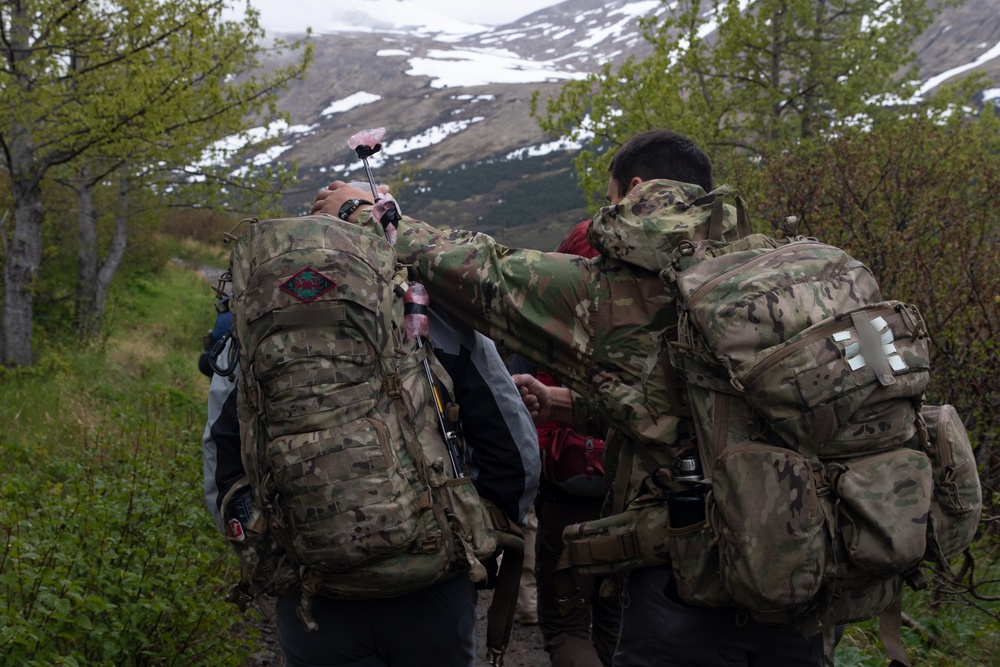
(694, 558)
(766, 496)
(883, 504)
(957, 502)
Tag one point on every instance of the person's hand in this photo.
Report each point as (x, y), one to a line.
(329, 199)
(535, 395)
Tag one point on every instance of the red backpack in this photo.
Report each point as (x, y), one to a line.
(571, 461)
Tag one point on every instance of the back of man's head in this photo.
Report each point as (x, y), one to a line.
(661, 154)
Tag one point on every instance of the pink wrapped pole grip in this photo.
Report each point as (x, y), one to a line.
(416, 302)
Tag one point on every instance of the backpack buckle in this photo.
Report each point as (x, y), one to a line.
(392, 385)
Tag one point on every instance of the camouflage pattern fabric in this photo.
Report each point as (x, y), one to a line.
(340, 440)
(804, 386)
(599, 326)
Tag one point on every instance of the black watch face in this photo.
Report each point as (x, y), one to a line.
(347, 208)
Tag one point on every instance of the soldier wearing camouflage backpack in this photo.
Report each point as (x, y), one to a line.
(365, 572)
(759, 500)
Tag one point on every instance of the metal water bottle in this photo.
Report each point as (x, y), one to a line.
(687, 507)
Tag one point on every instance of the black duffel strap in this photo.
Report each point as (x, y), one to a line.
(500, 616)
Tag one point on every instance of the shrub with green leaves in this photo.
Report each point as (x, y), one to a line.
(108, 555)
(114, 561)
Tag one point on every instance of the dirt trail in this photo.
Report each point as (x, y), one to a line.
(525, 648)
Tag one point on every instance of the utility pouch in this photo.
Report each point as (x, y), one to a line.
(884, 522)
(957, 503)
(766, 496)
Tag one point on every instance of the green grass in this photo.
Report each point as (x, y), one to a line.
(108, 555)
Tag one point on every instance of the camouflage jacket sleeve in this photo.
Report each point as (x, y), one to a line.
(596, 326)
(540, 305)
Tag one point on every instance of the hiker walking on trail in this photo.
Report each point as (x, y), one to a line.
(595, 326)
(436, 625)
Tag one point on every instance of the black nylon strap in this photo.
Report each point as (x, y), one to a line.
(414, 308)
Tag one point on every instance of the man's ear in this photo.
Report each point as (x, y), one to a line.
(631, 184)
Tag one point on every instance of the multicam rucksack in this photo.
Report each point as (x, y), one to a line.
(824, 479)
(355, 494)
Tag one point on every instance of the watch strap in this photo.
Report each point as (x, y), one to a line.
(350, 206)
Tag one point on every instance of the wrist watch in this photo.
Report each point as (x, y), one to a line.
(349, 206)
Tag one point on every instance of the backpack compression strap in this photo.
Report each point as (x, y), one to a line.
(500, 617)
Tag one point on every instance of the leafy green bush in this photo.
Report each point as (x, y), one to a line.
(114, 564)
(108, 555)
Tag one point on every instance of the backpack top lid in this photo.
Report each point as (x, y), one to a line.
(646, 226)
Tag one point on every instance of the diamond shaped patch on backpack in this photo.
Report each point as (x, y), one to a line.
(308, 285)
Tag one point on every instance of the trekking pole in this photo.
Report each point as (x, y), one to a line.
(365, 144)
(416, 303)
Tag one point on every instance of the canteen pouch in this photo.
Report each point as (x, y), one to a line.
(957, 502)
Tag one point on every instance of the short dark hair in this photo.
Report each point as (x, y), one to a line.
(661, 154)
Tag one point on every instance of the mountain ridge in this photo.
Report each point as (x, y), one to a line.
(455, 105)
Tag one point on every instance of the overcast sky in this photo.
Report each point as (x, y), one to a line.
(284, 14)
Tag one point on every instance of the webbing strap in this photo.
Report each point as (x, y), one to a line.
(568, 595)
(871, 348)
(318, 315)
(715, 225)
(500, 616)
(603, 549)
(622, 474)
(890, 632)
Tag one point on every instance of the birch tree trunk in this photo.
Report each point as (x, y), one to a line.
(24, 254)
(93, 282)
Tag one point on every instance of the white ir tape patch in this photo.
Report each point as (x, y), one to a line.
(853, 352)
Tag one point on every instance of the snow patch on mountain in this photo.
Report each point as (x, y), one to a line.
(479, 67)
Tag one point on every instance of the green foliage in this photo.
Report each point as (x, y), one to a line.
(778, 69)
(112, 562)
(143, 89)
(108, 555)
(951, 623)
(203, 226)
(915, 200)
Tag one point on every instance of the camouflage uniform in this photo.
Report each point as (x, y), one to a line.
(434, 626)
(600, 327)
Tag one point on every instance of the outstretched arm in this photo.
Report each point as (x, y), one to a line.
(544, 403)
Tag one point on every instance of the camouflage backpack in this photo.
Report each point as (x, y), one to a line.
(820, 479)
(354, 491)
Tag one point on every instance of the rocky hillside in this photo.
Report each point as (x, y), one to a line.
(454, 100)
